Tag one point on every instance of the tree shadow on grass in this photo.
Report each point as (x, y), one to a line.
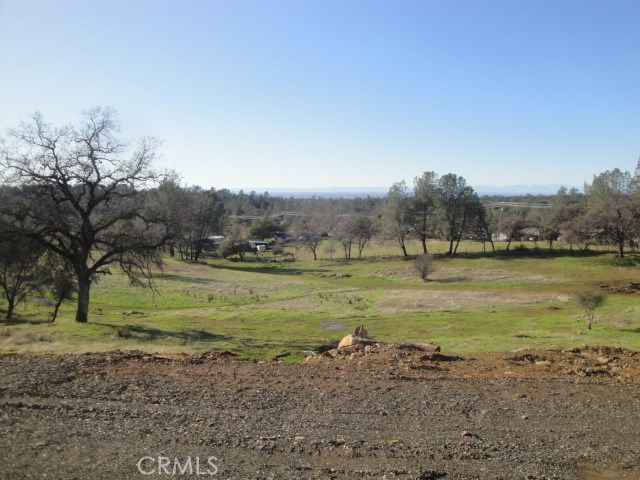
(20, 320)
(145, 333)
(275, 269)
(450, 280)
(515, 253)
(185, 278)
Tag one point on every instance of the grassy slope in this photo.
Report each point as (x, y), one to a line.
(261, 309)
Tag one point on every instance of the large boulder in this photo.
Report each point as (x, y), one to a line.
(349, 341)
(358, 337)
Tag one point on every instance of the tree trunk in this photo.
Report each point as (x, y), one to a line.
(404, 250)
(10, 306)
(54, 315)
(424, 244)
(621, 249)
(451, 240)
(84, 287)
(458, 240)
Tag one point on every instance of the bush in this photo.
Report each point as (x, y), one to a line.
(424, 265)
(626, 261)
(590, 300)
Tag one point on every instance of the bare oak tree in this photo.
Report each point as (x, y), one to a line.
(82, 196)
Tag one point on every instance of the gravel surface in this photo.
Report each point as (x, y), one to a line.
(390, 413)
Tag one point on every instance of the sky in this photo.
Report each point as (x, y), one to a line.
(309, 94)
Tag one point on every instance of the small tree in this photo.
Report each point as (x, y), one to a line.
(330, 248)
(590, 300)
(277, 250)
(21, 272)
(424, 265)
(263, 228)
(512, 221)
(458, 204)
(229, 248)
(423, 206)
(60, 281)
(395, 216)
(312, 242)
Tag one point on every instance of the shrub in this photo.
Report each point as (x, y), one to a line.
(424, 266)
(590, 300)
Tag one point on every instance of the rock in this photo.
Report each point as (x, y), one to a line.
(348, 341)
(543, 363)
(359, 337)
(424, 347)
(352, 341)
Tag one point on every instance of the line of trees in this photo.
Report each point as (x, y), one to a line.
(436, 207)
(447, 208)
(78, 200)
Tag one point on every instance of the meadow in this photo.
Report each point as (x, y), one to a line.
(263, 307)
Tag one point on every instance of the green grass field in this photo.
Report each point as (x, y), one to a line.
(263, 308)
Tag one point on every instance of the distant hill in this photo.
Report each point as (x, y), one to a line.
(329, 192)
(518, 190)
(355, 192)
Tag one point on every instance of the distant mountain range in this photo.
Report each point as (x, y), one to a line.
(551, 189)
(355, 192)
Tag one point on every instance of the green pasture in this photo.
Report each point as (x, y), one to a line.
(264, 307)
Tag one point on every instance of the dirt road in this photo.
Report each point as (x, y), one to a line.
(392, 413)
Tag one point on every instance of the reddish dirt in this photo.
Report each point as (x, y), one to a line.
(387, 413)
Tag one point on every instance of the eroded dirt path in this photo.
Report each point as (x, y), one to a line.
(390, 414)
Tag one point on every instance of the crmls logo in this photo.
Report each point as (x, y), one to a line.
(161, 465)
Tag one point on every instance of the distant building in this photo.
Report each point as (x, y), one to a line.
(259, 245)
(213, 242)
(282, 237)
(531, 233)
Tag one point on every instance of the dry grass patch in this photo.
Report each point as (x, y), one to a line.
(416, 301)
(468, 275)
(471, 275)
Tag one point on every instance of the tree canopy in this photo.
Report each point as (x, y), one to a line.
(81, 196)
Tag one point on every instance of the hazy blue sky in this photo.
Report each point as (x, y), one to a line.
(299, 93)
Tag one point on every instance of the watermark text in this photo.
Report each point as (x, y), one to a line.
(163, 465)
